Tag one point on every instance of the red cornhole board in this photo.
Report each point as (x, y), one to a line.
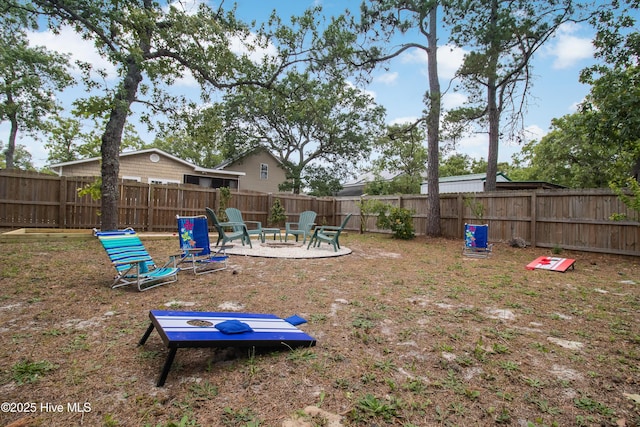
(551, 263)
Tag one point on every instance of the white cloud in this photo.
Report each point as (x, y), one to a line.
(72, 43)
(414, 56)
(403, 120)
(533, 132)
(387, 78)
(368, 92)
(189, 7)
(453, 100)
(568, 49)
(249, 46)
(449, 60)
(475, 145)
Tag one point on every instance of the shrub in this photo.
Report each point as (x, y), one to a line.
(630, 197)
(476, 207)
(370, 208)
(277, 216)
(225, 196)
(399, 221)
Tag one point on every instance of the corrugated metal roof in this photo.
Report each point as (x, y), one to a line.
(470, 177)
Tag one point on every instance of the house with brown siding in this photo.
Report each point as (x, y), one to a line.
(154, 166)
(262, 170)
(255, 171)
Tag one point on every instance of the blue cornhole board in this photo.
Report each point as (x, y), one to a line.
(196, 329)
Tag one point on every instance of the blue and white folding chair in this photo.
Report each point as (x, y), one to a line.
(476, 241)
(193, 232)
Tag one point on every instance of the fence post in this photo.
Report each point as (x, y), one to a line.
(460, 215)
(62, 206)
(533, 231)
(268, 207)
(149, 208)
(216, 203)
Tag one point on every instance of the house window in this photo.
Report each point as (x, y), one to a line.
(211, 182)
(163, 181)
(264, 171)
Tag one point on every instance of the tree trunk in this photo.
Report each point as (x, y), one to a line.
(494, 136)
(492, 106)
(110, 147)
(9, 152)
(635, 171)
(433, 129)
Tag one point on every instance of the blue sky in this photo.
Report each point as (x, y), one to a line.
(400, 89)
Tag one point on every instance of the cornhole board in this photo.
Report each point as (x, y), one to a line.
(551, 264)
(196, 329)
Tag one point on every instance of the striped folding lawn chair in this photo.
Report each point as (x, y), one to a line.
(133, 264)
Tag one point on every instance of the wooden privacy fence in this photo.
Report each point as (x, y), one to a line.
(568, 219)
(32, 200)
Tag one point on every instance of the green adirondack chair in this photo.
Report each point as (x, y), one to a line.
(302, 227)
(227, 236)
(329, 234)
(253, 227)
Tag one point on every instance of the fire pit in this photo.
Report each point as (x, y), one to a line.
(276, 249)
(281, 244)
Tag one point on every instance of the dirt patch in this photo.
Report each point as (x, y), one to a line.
(408, 332)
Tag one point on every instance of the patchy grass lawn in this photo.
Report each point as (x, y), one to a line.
(409, 333)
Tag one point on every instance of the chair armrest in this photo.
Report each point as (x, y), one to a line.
(289, 225)
(231, 224)
(173, 259)
(329, 227)
(257, 225)
(190, 250)
(133, 260)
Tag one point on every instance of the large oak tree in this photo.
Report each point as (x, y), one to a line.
(311, 124)
(152, 44)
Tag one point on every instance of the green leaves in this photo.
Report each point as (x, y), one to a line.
(305, 121)
(29, 79)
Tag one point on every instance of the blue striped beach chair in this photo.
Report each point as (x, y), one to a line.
(193, 233)
(133, 263)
